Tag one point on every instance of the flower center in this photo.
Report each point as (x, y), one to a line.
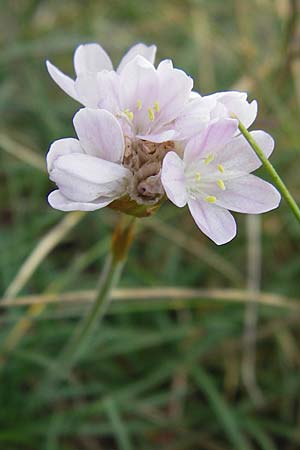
(144, 159)
(202, 178)
(131, 114)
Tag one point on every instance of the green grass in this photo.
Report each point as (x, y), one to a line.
(158, 374)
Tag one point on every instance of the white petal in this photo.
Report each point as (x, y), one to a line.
(238, 156)
(248, 194)
(228, 96)
(211, 140)
(237, 103)
(87, 89)
(173, 180)
(91, 58)
(194, 96)
(98, 90)
(148, 52)
(100, 134)
(161, 136)
(58, 201)
(175, 87)
(84, 178)
(217, 223)
(195, 116)
(109, 85)
(139, 85)
(62, 147)
(64, 82)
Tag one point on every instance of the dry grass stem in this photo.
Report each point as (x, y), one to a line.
(43, 248)
(177, 296)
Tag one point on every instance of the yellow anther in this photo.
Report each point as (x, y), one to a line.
(221, 184)
(211, 199)
(197, 176)
(151, 114)
(129, 114)
(139, 104)
(221, 168)
(209, 158)
(156, 107)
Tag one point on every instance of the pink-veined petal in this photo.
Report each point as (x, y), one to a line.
(238, 157)
(91, 58)
(98, 90)
(87, 89)
(63, 81)
(58, 201)
(236, 103)
(211, 140)
(173, 180)
(175, 88)
(195, 116)
(62, 147)
(248, 194)
(84, 178)
(217, 223)
(139, 91)
(100, 134)
(148, 52)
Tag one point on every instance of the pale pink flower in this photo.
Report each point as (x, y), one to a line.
(214, 177)
(151, 99)
(89, 171)
(200, 111)
(146, 100)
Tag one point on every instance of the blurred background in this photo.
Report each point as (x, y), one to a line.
(211, 359)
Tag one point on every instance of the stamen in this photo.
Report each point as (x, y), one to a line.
(151, 114)
(209, 158)
(221, 168)
(197, 176)
(221, 184)
(156, 107)
(129, 114)
(139, 104)
(211, 199)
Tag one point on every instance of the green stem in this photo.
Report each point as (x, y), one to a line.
(110, 276)
(80, 339)
(273, 173)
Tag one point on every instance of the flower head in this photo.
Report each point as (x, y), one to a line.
(214, 176)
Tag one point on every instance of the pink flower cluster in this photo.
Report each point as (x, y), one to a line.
(145, 134)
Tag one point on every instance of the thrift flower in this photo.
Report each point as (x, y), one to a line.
(214, 176)
(201, 111)
(145, 100)
(151, 99)
(89, 171)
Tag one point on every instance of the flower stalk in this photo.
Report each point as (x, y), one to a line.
(121, 241)
(272, 172)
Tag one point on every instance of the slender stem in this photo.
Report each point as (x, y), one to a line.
(110, 276)
(80, 339)
(273, 173)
